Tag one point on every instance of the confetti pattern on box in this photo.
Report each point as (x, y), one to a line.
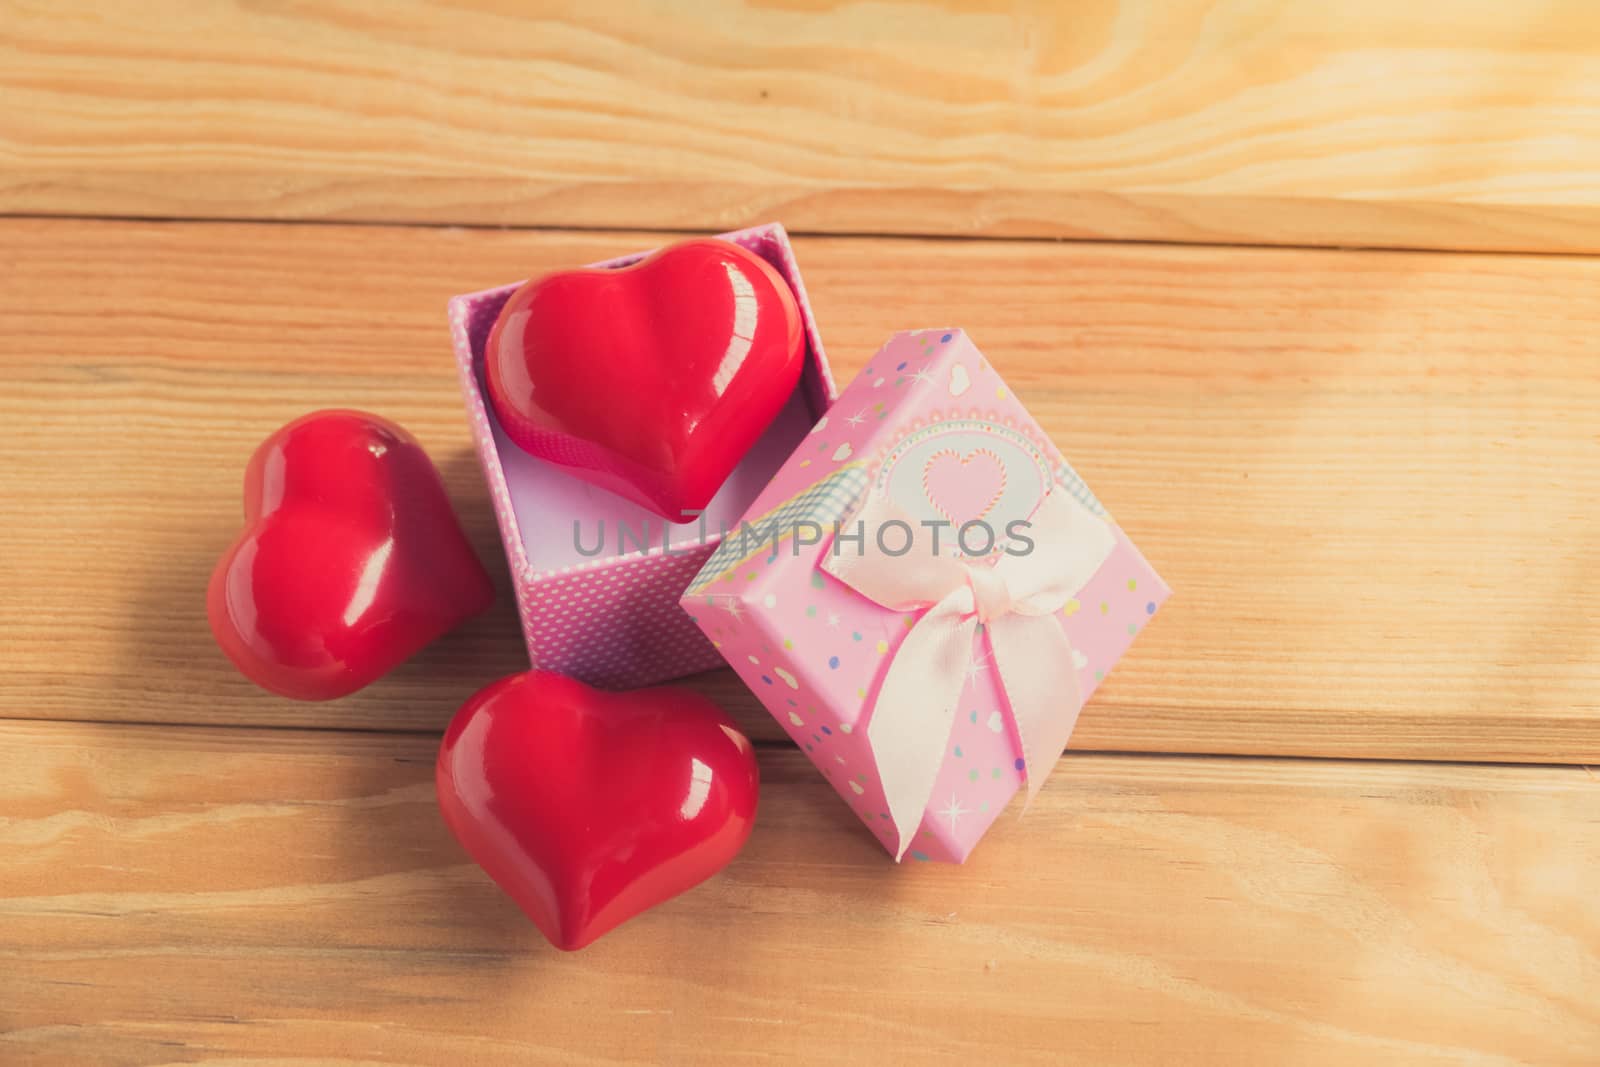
(815, 653)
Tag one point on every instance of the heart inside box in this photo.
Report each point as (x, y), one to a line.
(564, 521)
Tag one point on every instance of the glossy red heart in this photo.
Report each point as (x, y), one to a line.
(350, 561)
(653, 380)
(588, 807)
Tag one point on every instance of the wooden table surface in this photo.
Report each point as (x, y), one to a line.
(1336, 807)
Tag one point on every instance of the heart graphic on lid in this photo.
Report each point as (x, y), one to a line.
(963, 488)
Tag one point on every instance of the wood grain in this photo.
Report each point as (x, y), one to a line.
(1361, 123)
(172, 895)
(1369, 477)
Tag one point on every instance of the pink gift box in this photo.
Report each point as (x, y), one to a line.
(930, 432)
(610, 617)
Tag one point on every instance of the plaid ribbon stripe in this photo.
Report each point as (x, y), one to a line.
(821, 503)
(1068, 479)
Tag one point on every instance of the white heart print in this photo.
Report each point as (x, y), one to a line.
(821, 425)
(960, 380)
(841, 453)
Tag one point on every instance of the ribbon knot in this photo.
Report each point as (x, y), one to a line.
(990, 593)
(1016, 600)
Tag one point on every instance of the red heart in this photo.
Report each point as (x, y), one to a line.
(654, 380)
(350, 561)
(589, 807)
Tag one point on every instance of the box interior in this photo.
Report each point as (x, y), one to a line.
(547, 500)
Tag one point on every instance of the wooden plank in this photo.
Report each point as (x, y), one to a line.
(1362, 123)
(172, 894)
(1368, 476)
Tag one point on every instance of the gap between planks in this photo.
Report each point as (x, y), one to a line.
(777, 745)
(857, 235)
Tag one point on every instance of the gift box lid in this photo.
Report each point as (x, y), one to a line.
(926, 520)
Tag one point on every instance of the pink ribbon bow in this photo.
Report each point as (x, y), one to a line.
(1016, 601)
